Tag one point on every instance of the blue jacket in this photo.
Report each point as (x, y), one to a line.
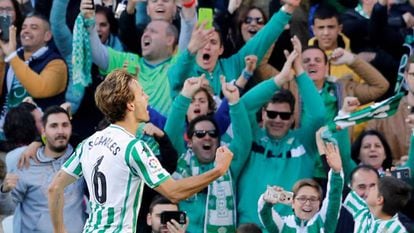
(30, 197)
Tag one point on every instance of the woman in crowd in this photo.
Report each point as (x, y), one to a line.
(371, 148)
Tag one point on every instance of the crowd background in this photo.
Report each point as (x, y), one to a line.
(59, 51)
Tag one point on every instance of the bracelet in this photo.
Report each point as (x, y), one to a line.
(189, 4)
(10, 56)
(246, 74)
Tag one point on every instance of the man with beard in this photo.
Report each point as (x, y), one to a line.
(27, 189)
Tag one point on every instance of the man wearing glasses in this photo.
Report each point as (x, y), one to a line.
(214, 208)
(279, 155)
(309, 215)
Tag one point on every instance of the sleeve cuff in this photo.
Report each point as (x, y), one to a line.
(10, 56)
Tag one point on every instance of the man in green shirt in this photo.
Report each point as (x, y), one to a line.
(205, 47)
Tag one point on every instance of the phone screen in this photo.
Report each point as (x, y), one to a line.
(5, 22)
(401, 173)
(206, 15)
(179, 216)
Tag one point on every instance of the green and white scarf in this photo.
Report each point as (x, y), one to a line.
(361, 11)
(81, 57)
(383, 109)
(220, 207)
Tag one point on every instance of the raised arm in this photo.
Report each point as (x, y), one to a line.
(181, 68)
(242, 132)
(375, 84)
(188, 19)
(175, 125)
(250, 66)
(314, 112)
(99, 51)
(332, 203)
(60, 30)
(264, 39)
(128, 32)
(177, 190)
(267, 215)
(261, 93)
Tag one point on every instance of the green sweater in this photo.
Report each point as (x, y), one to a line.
(325, 219)
(195, 206)
(186, 65)
(279, 162)
(153, 79)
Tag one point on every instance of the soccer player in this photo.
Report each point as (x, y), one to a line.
(116, 164)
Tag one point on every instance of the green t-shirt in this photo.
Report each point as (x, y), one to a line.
(153, 79)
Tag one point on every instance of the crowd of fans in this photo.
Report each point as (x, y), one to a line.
(283, 84)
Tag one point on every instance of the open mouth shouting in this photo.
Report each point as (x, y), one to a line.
(206, 57)
(206, 146)
(252, 31)
(146, 41)
(160, 10)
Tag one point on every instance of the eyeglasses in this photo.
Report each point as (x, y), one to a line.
(283, 115)
(303, 199)
(249, 20)
(202, 133)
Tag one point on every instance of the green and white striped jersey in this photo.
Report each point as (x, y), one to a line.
(114, 164)
(365, 222)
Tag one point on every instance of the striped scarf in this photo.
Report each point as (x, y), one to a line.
(367, 222)
(81, 57)
(220, 207)
(383, 109)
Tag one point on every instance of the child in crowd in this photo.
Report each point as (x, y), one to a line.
(378, 212)
(307, 195)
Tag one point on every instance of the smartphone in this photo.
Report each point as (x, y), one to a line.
(206, 15)
(5, 23)
(179, 216)
(401, 173)
(284, 197)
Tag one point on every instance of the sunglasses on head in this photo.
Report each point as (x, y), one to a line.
(249, 20)
(202, 133)
(274, 114)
